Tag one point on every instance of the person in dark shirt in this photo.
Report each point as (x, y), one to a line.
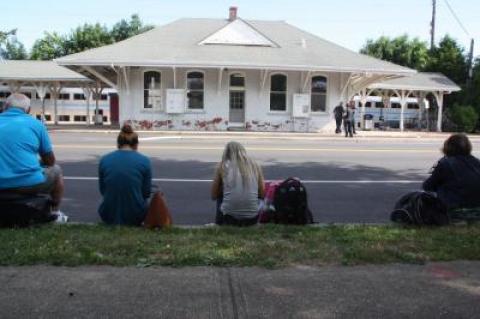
(456, 177)
(338, 114)
(125, 180)
(349, 119)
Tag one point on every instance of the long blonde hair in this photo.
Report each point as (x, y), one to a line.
(236, 155)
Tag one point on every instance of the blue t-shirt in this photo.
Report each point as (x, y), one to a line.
(125, 183)
(22, 140)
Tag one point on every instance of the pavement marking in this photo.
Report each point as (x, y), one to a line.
(154, 138)
(265, 149)
(190, 180)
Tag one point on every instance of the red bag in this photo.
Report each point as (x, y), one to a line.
(270, 188)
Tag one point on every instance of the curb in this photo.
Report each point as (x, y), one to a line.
(277, 135)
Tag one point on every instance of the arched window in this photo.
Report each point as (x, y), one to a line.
(195, 87)
(278, 92)
(152, 90)
(319, 94)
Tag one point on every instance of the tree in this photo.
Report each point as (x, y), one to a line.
(463, 117)
(4, 35)
(51, 46)
(402, 50)
(14, 50)
(86, 37)
(449, 58)
(125, 29)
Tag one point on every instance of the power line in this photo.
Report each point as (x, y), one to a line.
(456, 17)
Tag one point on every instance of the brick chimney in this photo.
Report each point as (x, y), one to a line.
(232, 14)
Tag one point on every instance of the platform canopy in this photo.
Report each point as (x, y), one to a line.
(44, 76)
(28, 71)
(418, 85)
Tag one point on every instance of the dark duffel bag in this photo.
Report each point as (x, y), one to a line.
(420, 208)
(25, 210)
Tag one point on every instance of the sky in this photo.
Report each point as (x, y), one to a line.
(346, 22)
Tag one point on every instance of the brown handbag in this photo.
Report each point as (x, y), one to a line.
(158, 214)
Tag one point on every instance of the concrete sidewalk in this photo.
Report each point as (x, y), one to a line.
(249, 134)
(436, 290)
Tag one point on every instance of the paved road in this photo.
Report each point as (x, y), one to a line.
(348, 180)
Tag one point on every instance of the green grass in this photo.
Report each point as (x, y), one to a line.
(265, 246)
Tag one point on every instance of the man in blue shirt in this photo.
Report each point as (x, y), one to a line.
(27, 161)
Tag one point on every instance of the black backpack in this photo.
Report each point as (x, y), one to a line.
(420, 208)
(25, 210)
(290, 203)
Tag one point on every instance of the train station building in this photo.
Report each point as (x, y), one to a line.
(227, 74)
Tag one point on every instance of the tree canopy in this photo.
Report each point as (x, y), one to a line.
(51, 46)
(402, 50)
(13, 50)
(449, 58)
(87, 36)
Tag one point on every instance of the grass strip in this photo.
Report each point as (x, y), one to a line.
(267, 246)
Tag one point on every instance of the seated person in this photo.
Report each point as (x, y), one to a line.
(23, 141)
(125, 178)
(456, 177)
(237, 187)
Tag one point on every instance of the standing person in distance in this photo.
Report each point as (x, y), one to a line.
(353, 109)
(349, 119)
(338, 114)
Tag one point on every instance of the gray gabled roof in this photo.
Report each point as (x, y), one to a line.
(37, 71)
(422, 81)
(178, 44)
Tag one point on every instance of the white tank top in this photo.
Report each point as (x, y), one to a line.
(239, 200)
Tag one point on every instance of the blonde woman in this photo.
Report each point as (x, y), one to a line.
(237, 187)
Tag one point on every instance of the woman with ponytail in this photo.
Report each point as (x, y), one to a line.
(125, 180)
(237, 187)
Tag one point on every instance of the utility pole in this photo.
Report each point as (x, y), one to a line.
(470, 64)
(432, 24)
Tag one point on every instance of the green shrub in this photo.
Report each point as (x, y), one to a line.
(463, 117)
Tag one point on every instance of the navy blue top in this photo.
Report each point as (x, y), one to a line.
(456, 180)
(22, 140)
(125, 183)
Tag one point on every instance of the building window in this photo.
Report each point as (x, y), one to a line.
(64, 118)
(413, 106)
(319, 94)
(4, 94)
(195, 87)
(152, 90)
(27, 94)
(368, 104)
(79, 96)
(278, 92)
(379, 105)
